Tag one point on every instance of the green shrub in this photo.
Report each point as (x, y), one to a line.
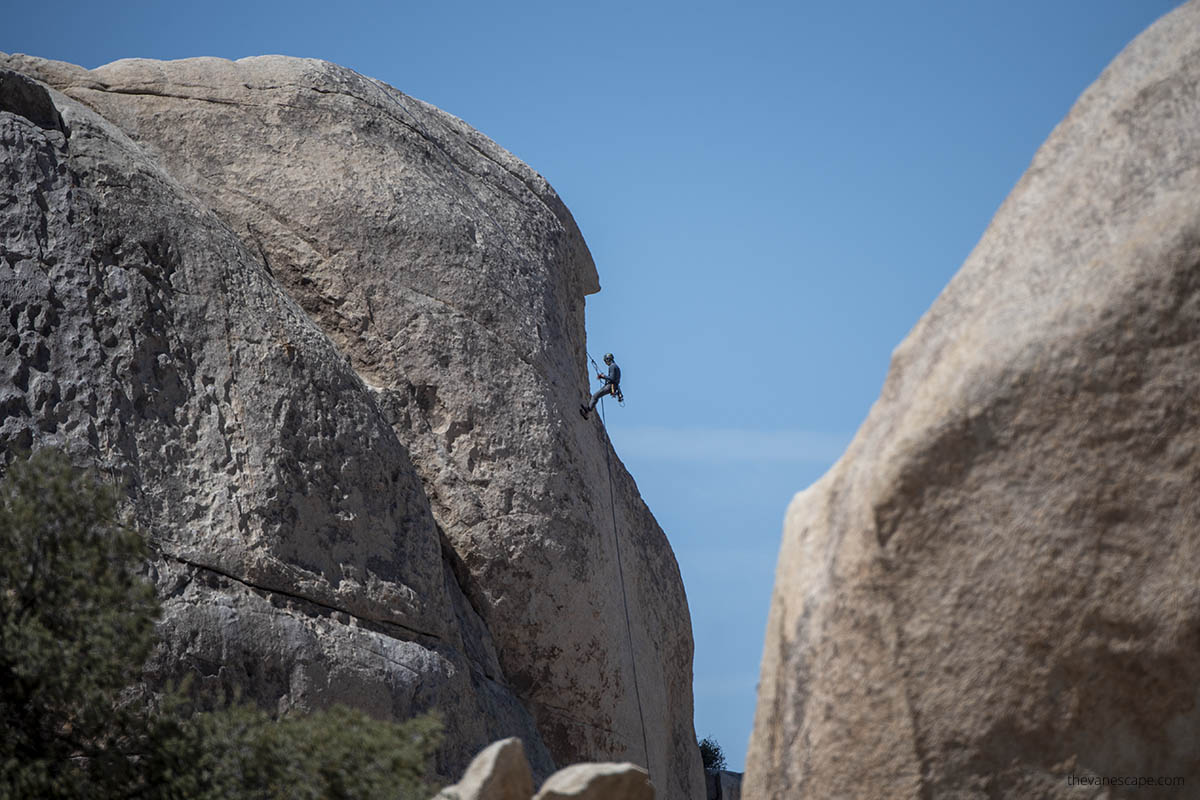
(76, 626)
(241, 753)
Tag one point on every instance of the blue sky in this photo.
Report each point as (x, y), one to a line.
(773, 193)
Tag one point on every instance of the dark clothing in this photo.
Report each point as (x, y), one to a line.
(614, 375)
(603, 390)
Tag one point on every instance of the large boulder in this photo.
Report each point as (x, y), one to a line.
(451, 278)
(296, 555)
(994, 591)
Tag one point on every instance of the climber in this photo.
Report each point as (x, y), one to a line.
(612, 385)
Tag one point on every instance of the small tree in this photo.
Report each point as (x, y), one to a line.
(76, 625)
(711, 754)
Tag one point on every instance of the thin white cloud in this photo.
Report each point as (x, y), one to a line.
(729, 444)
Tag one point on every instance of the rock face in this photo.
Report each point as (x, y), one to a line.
(333, 338)
(723, 785)
(995, 588)
(296, 554)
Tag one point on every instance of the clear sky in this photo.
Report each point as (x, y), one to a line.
(773, 192)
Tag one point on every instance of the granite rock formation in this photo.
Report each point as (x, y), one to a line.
(332, 338)
(995, 588)
(295, 551)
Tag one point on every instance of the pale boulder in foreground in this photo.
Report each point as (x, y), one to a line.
(995, 590)
(500, 772)
(598, 782)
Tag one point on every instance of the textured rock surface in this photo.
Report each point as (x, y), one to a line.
(597, 782)
(500, 772)
(297, 556)
(995, 587)
(723, 785)
(452, 279)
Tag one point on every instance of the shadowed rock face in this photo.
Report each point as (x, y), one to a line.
(356, 401)
(995, 587)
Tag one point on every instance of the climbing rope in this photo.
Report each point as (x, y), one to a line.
(612, 505)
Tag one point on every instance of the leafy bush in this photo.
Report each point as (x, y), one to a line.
(241, 753)
(711, 754)
(76, 626)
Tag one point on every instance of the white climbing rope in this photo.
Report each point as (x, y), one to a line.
(624, 595)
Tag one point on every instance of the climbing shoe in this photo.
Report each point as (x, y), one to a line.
(583, 411)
